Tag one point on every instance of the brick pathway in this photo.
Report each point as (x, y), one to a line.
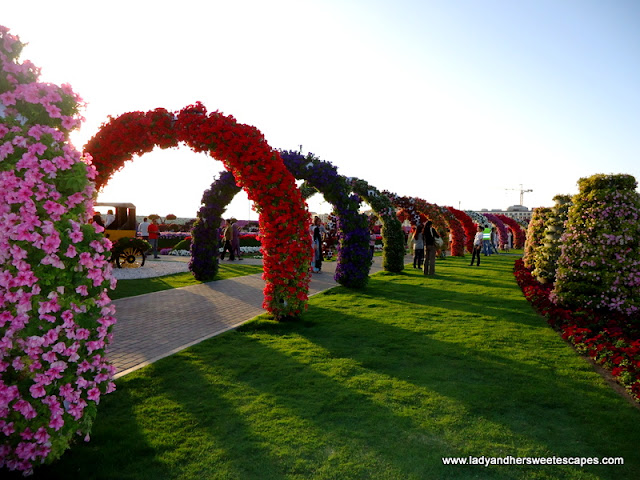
(159, 324)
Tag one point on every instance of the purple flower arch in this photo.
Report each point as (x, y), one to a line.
(354, 260)
(503, 237)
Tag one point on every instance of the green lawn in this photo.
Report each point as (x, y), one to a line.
(380, 383)
(130, 288)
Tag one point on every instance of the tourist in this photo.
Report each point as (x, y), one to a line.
(228, 237)
(110, 217)
(154, 232)
(143, 229)
(486, 241)
(477, 245)
(372, 243)
(235, 238)
(417, 246)
(494, 240)
(318, 233)
(429, 236)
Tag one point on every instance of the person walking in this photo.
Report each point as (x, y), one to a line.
(228, 237)
(429, 236)
(486, 241)
(417, 245)
(143, 229)
(235, 238)
(477, 245)
(318, 233)
(154, 233)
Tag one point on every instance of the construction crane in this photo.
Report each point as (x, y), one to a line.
(522, 192)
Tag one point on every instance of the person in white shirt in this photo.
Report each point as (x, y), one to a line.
(143, 229)
(110, 217)
(477, 245)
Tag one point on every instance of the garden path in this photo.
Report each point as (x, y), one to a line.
(159, 324)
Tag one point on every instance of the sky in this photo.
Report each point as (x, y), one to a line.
(458, 102)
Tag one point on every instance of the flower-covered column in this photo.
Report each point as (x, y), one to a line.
(535, 236)
(205, 241)
(55, 314)
(599, 267)
(546, 261)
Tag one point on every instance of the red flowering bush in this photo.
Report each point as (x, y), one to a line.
(611, 340)
(284, 221)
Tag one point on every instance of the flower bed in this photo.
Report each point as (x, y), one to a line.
(611, 340)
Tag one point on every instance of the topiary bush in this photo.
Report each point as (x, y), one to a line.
(599, 267)
(55, 314)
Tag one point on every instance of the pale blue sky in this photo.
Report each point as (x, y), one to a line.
(451, 101)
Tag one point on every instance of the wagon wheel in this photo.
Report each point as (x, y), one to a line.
(130, 257)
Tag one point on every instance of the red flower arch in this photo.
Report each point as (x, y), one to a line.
(257, 168)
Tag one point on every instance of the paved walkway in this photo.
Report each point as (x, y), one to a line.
(159, 324)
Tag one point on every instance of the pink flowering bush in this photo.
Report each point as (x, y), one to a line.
(599, 267)
(55, 315)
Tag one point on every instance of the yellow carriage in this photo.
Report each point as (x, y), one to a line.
(128, 251)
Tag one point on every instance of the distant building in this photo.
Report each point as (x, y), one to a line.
(519, 212)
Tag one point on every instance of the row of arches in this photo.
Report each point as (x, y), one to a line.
(268, 176)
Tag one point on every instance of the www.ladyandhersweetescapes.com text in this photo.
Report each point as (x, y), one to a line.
(510, 460)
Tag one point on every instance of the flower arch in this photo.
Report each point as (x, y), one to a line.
(392, 234)
(516, 229)
(468, 225)
(256, 167)
(354, 263)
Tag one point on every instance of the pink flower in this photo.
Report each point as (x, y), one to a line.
(37, 390)
(94, 394)
(25, 408)
(56, 422)
(41, 436)
(71, 252)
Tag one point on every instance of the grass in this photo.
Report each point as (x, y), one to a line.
(130, 288)
(380, 383)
